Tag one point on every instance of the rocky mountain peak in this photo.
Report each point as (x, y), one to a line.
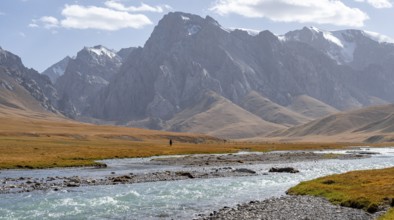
(97, 54)
(178, 26)
(39, 86)
(125, 52)
(267, 35)
(85, 75)
(100, 50)
(10, 60)
(57, 69)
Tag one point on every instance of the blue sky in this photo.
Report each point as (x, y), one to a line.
(43, 32)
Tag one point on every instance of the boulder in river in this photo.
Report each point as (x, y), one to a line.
(187, 174)
(283, 170)
(244, 170)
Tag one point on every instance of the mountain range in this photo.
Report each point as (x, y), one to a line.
(193, 75)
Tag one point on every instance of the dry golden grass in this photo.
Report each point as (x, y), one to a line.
(41, 150)
(366, 190)
(388, 216)
(39, 140)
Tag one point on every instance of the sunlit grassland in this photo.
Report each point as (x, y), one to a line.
(388, 216)
(368, 190)
(41, 140)
(63, 150)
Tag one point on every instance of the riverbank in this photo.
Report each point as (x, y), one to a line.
(50, 150)
(360, 195)
(180, 199)
(290, 207)
(187, 167)
(371, 190)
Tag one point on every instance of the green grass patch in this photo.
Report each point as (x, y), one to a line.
(368, 190)
(388, 216)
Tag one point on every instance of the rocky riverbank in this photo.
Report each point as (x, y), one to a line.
(28, 184)
(188, 167)
(289, 207)
(250, 158)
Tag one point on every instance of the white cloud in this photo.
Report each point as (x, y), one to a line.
(378, 3)
(379, 37)
(113, 17)
(33, 25)
(142, 8)
(49, 22)
(307, 11)
(92, 17)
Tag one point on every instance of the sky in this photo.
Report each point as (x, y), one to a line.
(42, 32)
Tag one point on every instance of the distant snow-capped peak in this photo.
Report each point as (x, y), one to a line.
(101, 51)
(339, 45)
(379, 37)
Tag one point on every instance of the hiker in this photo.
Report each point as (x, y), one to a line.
(170, 142)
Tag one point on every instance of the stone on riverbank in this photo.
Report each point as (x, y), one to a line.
(283, 170)
(289, 207)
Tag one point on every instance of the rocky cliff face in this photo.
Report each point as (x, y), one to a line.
(85, 75)
(57, 69)
(37, 85)
(164, 84)
(363, 51)
(187, 55)
(124, 53)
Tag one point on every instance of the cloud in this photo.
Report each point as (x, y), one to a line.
(378, 3)
(142, 8)
(33, 25)
(307, 11)
(21, 34)
(93, 17)
(114, 16)
(379, 37)
(49, 22)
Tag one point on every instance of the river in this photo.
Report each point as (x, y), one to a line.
(166, 200)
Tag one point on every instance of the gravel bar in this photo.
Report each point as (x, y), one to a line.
(290, 207)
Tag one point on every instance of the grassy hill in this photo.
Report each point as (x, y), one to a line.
(217, 116)
(372, 124)
(272, 112)
(310, 107)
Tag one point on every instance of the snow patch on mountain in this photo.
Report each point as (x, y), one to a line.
(96, 80)
(327, 35)
(347, 49)
(58, 70)
(330, 37)
(251, 32)
(378, 37)
(100, 50)
(281, 38)
(185, 18)
(193, 29)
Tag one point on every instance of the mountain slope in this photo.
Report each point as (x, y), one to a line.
(161, 83)
(13, 95)
(57, 69)
(24, 88)
(310, 107)
(85, 75)
(361, 50)
(272, 112)
(217, 116)
(386, 125)
(187, 54)
(351, 122)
